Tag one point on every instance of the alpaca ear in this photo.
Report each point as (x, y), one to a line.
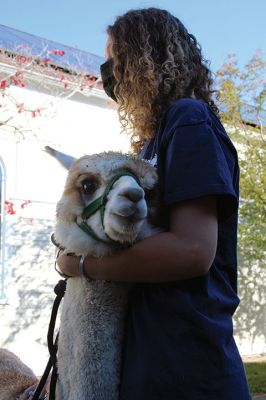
(64, 159)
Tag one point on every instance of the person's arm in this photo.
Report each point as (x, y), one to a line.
(186, 251)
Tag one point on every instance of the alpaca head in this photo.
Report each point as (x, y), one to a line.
(106, 200)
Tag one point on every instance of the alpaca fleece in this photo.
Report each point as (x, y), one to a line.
(93, 314)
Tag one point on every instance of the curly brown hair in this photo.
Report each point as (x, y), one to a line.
(156, 61)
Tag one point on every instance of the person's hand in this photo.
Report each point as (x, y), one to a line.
(29, 392)
(68, 266)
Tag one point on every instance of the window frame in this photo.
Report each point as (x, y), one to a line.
(3, 297)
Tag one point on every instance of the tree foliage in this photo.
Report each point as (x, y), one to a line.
(243, 100)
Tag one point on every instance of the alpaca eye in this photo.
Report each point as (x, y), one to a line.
(88, 186)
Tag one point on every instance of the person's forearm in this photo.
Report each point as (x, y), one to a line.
(185, 252)
(160, 258)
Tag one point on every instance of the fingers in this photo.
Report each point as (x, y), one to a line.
(29, 392)
(67, 266)
(57, 267)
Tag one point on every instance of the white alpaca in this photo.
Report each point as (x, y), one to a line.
(93, 314)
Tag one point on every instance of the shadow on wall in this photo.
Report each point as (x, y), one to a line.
(30, 282)
(250, 318)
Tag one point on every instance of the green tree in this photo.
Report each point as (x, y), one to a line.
(242, 100)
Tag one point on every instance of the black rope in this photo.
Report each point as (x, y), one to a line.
(52, 389)
(59, 290)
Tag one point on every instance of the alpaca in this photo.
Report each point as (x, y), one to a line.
(16, 379)
(93, 313)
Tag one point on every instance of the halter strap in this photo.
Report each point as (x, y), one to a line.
(99, 204)
(87, 229)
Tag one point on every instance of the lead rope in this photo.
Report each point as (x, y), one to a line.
(59, 290)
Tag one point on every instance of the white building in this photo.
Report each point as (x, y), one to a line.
(57, 107)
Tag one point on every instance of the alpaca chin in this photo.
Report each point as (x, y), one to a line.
(126, 233)
(74, 240)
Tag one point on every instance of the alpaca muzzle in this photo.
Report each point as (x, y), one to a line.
(99, 205)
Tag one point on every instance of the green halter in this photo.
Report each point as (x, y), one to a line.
(99, 204)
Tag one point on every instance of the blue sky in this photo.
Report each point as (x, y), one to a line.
(221, 26)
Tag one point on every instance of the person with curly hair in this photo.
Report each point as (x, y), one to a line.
(179, 336)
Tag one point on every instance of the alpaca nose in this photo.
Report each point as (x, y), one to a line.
(134, 194)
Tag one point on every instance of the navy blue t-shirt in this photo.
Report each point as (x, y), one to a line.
(179, 336)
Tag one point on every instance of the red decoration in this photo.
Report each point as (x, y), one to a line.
(10, 207)
(20, 107)
(21, 59)
(36, 113)
(3, 84)
(25, 203)
(58, 52)
(90, 80)
(17, 79)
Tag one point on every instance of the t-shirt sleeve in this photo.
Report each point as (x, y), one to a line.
(196, 165)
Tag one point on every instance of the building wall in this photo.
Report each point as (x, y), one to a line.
(250, 317)
(29, 289)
